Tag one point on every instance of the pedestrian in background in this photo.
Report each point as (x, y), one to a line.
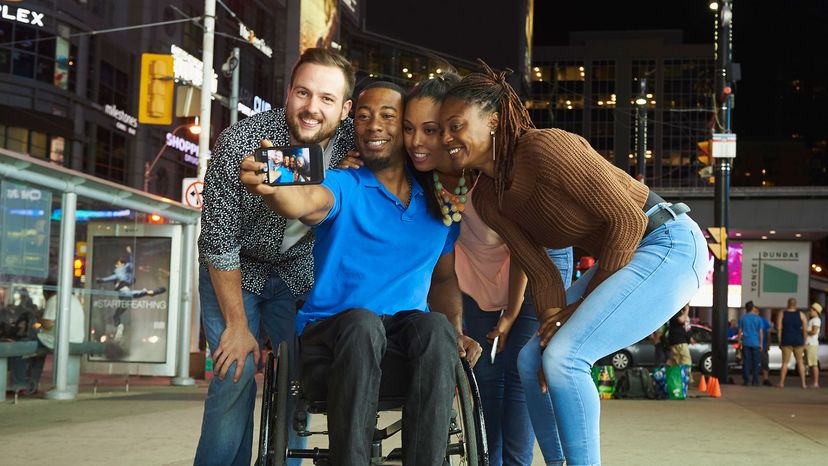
(812, 343)
(679, 340)
(751, 334)
(763, 356)
(790, 326)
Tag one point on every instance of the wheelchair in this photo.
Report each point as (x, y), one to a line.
(467, 432)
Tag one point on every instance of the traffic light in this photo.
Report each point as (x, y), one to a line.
(156, 219)
(156, 97)
(704, 159)
(79, 265)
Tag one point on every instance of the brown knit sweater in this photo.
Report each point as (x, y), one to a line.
(563, 193)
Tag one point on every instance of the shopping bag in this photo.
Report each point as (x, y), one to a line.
(604, 378)
(678, 378)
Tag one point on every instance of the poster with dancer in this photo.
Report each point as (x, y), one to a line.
(129, 299)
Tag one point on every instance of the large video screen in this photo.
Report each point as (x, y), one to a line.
(318, 23)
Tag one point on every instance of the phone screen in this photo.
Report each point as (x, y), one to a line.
(292, 165)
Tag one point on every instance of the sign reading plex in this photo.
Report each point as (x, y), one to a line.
(773, 271)
(21, 15)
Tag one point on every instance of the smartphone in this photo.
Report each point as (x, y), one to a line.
(292, 165)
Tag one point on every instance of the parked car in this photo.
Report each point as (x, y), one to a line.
(775, 355)
(643, 352)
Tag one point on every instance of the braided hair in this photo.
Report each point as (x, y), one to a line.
(489, 89)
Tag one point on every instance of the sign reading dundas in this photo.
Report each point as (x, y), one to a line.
(773, 271)
(22, 15)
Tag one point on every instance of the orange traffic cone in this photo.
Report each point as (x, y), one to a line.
(702, 384)
(713, 388)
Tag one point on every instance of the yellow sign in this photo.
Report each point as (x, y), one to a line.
(155, 100)
(718, 245)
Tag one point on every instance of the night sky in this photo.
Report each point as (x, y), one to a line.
(776, 43)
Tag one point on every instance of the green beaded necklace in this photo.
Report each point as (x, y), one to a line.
(453, 204)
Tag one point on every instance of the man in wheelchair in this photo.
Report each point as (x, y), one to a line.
(383, 259)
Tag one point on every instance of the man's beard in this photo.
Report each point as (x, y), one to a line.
(326, 130)
(377, 164)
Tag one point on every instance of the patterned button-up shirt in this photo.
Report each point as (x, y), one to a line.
(238, 231)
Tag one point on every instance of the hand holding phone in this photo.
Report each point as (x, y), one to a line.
(292, 165)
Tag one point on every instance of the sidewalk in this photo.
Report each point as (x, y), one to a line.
(157, 424)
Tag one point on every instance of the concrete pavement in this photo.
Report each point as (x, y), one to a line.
(156, 424)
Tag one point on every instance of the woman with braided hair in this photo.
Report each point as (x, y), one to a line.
(548, 188)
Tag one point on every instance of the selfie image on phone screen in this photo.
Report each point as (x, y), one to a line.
(292, 165)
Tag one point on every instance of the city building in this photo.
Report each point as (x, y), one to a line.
(623, 89)
(70, 75)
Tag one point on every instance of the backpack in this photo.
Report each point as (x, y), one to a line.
(635, 383)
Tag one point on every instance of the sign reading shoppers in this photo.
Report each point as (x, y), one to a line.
(773, 271)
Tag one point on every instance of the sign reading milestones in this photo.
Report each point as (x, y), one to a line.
(123, 121)
(773, 271)
(21, 15)
(257, 42)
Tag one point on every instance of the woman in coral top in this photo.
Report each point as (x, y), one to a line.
(548, 188)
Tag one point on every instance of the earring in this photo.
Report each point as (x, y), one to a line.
(493, 144)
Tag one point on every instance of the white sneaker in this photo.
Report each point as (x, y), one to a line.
(119, 333)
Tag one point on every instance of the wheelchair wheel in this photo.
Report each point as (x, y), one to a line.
(472, 433)
(273, 428)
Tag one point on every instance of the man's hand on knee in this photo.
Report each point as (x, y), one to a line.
(469, 349)
(235, 344)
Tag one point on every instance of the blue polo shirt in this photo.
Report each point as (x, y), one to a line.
(751, 325)
(371, 251)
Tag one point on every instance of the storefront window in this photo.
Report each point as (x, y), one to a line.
(17, 139)
(39, 144)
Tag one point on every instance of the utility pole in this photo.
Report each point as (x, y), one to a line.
(206, 84)
(230, 69)
(721, 214)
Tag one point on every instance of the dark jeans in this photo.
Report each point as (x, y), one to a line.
(353, 357)
(26, 372)
(751, 365)
(508, 427)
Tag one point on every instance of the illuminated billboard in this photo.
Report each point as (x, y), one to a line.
(318, 23)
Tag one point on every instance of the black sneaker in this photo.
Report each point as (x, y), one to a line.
(767, 383)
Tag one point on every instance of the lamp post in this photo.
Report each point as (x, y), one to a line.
(194, 128)
(641, 160)
(721, 195)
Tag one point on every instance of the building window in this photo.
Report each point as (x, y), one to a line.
(34, 143)
(35, 54)
(688, 89)
(602, 108)
(113, 87)
(110, 155)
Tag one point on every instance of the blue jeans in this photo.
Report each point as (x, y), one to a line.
(665, 272)
(227, 426)
(751, 365)
(508, 428)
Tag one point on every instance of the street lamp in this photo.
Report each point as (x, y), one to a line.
(194, 128)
